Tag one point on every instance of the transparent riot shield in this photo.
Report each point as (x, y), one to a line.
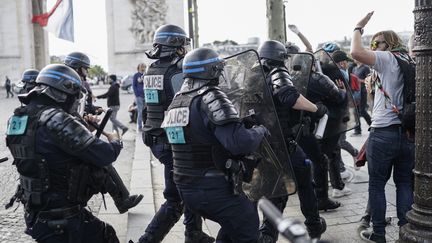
(342, 117)
(177, 82)
(244, 83)
(300, 68)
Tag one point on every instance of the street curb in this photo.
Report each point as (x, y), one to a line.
(141, 183)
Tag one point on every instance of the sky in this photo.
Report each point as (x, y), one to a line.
(238, 20)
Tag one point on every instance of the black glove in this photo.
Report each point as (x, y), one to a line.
(321, 111)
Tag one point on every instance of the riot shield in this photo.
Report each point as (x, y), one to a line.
(244, 83)
(342, 117)
(300, 68)
(177, 82)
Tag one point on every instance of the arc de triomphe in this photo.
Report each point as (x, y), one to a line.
(130, 28)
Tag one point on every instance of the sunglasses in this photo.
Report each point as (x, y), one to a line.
(375, 44)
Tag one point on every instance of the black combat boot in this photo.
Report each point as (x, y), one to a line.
(315, 231)
(131, 201)
(165, 218)
(198, 237)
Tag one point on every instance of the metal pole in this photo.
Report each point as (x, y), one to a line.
(196, 32)
(419, 227)
(275, 20)
(190, 20)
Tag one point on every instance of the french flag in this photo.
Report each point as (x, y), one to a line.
(59, 20)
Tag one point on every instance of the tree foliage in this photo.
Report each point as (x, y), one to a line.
(96, 71)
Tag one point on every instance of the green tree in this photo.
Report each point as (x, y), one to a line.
(96, 71)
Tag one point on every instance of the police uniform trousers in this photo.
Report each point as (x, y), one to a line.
(213, 198)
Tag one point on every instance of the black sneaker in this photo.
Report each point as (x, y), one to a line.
(364, 223)
(370, 236)
(327, 204)
(124, 130)
(198, 237)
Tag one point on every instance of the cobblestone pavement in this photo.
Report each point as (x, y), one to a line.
(12, 224)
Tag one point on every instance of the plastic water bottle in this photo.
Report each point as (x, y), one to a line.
(319, 132)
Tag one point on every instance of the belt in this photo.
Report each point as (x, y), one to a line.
(394, 127)
(59, 213)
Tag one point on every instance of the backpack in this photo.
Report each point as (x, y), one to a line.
(407, 67)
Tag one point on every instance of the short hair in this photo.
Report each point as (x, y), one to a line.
(392, 39)
(140, 65)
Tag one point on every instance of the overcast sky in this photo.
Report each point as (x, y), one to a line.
(238, 20)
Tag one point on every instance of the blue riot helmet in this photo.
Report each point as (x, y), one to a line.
(331, 47)
(203, 63)
(29, 79)
(78, 61)
(273, 50)
(60, 82)
(167, 40)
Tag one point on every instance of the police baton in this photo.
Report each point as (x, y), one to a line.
(290, 229)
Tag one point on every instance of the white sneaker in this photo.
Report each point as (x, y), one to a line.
(345, 175)
(341, 193)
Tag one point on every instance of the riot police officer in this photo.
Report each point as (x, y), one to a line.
(288, 101)
(321, 89)
(80, 62)
(204, 129)
(29, 79)
(59, 160)
(162, 79)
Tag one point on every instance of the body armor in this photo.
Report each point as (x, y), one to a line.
(288, 118)
(159, 92)
(191, 159)
(69, 179)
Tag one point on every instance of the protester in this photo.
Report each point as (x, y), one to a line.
(113, 102)
(138, 88)
(361, 71)
(389, 147)
(8, 87)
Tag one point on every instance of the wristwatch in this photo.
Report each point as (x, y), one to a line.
(359, 29)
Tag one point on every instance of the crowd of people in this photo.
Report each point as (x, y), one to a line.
(194, 126)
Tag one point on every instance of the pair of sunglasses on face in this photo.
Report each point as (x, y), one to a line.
(375, 44)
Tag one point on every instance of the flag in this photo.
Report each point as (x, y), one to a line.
(59, 20)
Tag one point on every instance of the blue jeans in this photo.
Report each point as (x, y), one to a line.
(213, 198)
(388, 148)
(140, 105)
(113, 118)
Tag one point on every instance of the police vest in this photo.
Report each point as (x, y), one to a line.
(161, 82)
(192, 159)
(38, 178)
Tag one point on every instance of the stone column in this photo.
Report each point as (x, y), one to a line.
(419, 227)
(41, 56)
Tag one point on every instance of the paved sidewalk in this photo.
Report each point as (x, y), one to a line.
(147, 178)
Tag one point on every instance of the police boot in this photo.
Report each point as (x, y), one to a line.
(198, 237)
(123, 205)
(315, 231)
(267, 231)
(165, 218)
(193, 232)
